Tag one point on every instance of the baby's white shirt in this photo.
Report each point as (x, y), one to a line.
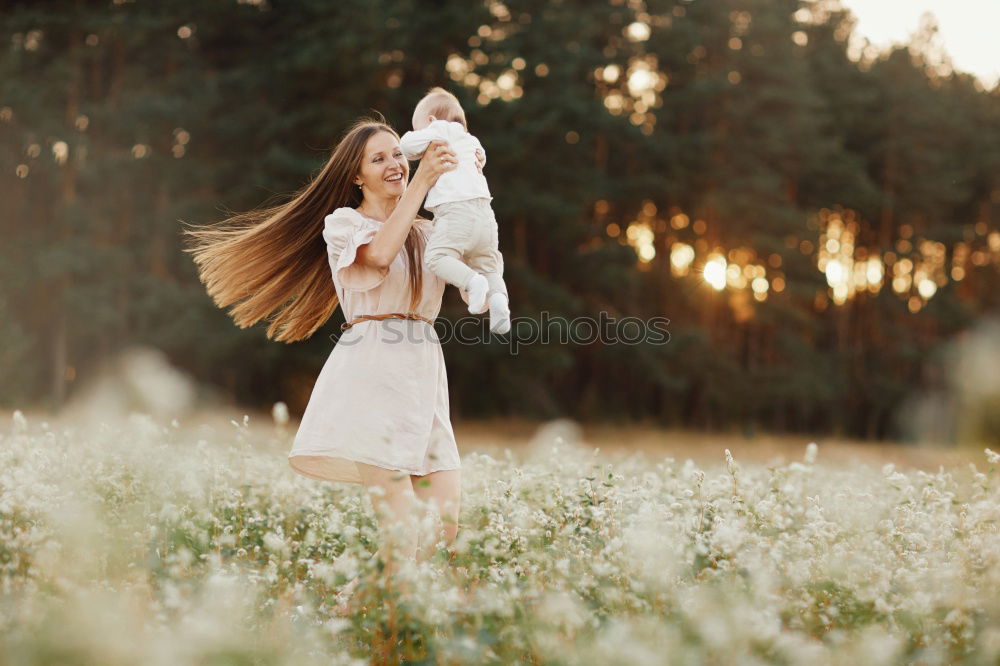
(460, 184)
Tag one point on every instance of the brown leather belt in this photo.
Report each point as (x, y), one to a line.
(391, 315)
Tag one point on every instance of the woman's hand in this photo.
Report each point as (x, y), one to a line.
(437, 159)
(389, 239)
(480, 160)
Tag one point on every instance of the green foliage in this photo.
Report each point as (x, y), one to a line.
(184, 110)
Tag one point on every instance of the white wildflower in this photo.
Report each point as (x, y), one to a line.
(731, 464)
(562, 611)
(811, 451)
(279, 412)
(274, 543)
(954, 618)
(324, 572)
(20, 423)
(337, 625)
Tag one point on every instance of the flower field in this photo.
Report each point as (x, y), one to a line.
(140, 542)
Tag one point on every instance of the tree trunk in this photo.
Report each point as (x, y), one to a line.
(60, 341)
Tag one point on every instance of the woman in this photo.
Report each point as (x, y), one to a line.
(378, 414)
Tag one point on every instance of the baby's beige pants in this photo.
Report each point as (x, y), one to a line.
(465, 241)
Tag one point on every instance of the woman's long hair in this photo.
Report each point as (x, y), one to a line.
(272, 262)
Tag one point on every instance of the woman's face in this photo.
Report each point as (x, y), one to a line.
(384, 169)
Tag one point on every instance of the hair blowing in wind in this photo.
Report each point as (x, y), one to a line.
(271, 263)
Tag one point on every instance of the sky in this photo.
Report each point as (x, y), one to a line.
(968, 29)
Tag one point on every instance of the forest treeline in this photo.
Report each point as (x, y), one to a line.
(843, 204)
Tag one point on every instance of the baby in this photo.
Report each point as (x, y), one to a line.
(464, 225)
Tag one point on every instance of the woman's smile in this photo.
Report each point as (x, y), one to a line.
(384, 168)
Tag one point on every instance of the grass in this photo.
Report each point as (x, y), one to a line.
(141, 542)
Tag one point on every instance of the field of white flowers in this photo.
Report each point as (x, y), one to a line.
(141, 542)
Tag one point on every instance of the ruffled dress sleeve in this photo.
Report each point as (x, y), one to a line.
(345, 231)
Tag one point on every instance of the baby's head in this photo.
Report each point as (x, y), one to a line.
(437, 104)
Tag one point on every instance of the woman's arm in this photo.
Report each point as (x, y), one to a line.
(390, 237)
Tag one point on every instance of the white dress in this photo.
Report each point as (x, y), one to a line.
(382, 395)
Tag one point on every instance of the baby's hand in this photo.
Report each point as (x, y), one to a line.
(480, 160)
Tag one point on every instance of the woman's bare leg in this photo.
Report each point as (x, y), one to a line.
(444, 488)
(392, 496)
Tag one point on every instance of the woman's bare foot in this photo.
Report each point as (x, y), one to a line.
(343, 598)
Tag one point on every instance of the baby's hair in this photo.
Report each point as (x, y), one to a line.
(441, 104)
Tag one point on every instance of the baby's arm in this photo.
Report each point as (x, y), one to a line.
(414, 142)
